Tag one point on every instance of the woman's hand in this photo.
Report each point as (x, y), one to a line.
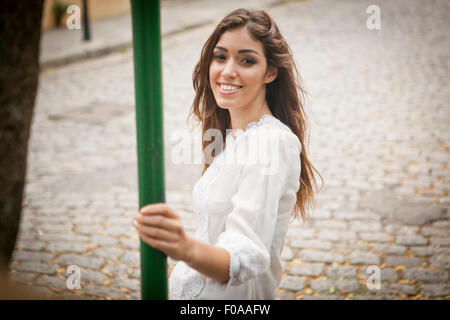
(161, 228)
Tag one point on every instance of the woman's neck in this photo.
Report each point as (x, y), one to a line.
(241, 118)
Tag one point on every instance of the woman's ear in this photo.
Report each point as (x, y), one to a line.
(271, 74)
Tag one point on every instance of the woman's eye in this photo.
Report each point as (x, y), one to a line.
(249, 61)
(221, 57)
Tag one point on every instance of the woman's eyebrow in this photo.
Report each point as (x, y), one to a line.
(240, 51)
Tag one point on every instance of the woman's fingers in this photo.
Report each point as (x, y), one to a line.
(155, 233)
(160, 209)
(159, 222)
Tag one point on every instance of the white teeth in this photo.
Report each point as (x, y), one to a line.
(229, 88)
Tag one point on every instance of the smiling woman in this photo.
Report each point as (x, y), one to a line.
(245, 81)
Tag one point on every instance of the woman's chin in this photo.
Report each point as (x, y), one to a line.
(226, 106)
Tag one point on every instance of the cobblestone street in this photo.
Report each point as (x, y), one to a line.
(378, 102)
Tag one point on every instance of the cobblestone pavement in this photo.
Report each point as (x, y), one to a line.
(378, 103)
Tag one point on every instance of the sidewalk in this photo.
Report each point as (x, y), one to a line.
(61, 46)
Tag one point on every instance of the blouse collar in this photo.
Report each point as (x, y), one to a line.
(233, 134)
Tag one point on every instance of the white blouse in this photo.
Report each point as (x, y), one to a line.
(244, 200)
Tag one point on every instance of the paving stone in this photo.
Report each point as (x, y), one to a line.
(351, 247)
(108, 252)
(52, 282)
(368, 297)
(388, 274)
(32, 246)
(337, 235)
(103, 292)
(87, 229)
(104, 240)
(292, 283)
(94, 221)
(422, 251)
(311, 269)
(54, 228)
(389, 248)
(395, 288)
(358, 257)
(89, 262)
(347, 285)
(311, 244)
(429, 231)
(341, 271)
(50, 220)
(321, 214)
(287, 254)
(411, 240)
(323, 297)
(441, 241)
(37, 267)
(365, 226)
(68, 247)
(22, 277)
(136, 273)
(445, 224)
(417, 214)
(118, 269)
(61, 238)
(135, 296)
(330, 224)
(425, 275)
(303, 233)
(440, 260)
(120, 221)
(284, 295)
(322, 284)
(402, 261)
(92, 276)
(375, 236)
(320, 256)
(356, 215)
(131, 257)
(130, 284)
(119, 230)
(442, 250)
(130, 243)
(33, 256)
(401, 230)
(436, 290)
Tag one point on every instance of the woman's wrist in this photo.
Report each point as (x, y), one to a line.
(211, 261)
(191, 251)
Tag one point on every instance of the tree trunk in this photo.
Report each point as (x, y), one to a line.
(20, 31)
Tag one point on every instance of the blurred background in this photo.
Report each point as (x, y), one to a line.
(378, 112)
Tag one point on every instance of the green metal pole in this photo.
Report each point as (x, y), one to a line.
(149, 129)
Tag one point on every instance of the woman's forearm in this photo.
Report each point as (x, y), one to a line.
(212, 261)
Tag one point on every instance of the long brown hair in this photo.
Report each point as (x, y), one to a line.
(285, 95)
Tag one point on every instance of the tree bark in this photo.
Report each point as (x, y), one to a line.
(20, 31)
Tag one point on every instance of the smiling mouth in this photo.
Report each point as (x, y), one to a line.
(228, 89)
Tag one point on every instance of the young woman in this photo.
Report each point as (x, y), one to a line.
(246, 81)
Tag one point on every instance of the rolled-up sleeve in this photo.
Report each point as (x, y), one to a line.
(249, 227)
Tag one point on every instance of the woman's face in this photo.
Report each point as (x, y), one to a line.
(238, 70)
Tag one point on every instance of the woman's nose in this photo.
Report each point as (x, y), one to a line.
(229, 69)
